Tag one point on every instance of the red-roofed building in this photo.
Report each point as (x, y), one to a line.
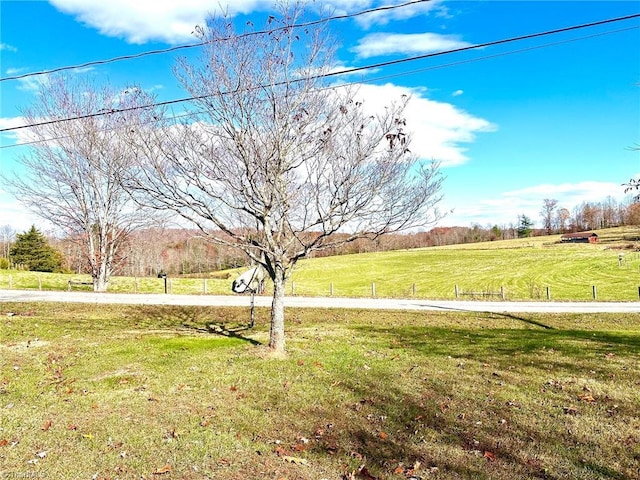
(579, 237)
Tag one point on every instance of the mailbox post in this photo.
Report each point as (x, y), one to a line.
(164, 277)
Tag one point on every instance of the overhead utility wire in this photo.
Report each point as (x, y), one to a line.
(486, 57)
(369, 80)
(482, 45)
(341, 72)
(200, 44)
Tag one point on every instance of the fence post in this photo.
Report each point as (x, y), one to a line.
(39, 283)
(331, 289)
(10, 282)
(135, 284)
(413, 289)
(204, 286)
(373, 289)
(502, 292)
(548, 293)
(456, 290)
(293, 288)
(595, 293)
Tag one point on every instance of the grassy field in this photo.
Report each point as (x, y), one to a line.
(524, 269)
(121, 392)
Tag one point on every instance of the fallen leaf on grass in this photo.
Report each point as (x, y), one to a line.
(364, 473)
(164, 470)
(490, 456)
(279, 451)
(570, 410)
(47, 425)
(4, 442)
(587, 398)
(383, 435)
(295, 460)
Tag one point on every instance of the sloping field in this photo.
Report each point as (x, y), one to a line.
(524, 269)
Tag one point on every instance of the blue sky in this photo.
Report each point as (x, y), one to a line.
(551, 117)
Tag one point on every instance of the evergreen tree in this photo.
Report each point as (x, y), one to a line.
(524, 226)
(33, 250)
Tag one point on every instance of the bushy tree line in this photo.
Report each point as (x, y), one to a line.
(149, 251)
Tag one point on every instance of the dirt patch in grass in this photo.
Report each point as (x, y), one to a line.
(24, 345)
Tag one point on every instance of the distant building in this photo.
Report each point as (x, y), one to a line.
(579, 237)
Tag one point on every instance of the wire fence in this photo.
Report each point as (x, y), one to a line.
(222, 286)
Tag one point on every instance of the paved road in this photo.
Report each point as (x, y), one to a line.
(313, 302)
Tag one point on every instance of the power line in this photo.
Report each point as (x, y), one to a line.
(487, 57)
(373, 79)
(341, 72)
(487, 44)
(200, 44)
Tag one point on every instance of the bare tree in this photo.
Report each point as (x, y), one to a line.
(277, 163)
(7, 236)
(548, 208)
(70, 175)
(562, 217)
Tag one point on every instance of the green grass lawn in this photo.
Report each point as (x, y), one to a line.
(151, 392)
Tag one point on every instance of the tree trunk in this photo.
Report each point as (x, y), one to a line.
(100, 284)
(276, 338)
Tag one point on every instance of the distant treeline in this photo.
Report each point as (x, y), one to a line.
(181, 252)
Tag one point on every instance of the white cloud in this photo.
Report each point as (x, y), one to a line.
(173, 22)
(15, 136)
(15, 215)
(569, 195)
(33, 83)
(15, 71)
(457, 93)
(384, 17)
(160, 20)
(377, 44)
(81, 70)
(439, 129)
(7, 47)
(505, 207)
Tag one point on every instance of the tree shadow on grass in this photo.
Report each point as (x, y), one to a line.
(507, 340)
(227, 322)
(397, 433)
(421, 417)
(501, 314)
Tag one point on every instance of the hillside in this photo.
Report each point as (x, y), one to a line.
(521, 268)
(524, 267)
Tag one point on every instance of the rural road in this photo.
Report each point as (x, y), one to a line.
(316, 302)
